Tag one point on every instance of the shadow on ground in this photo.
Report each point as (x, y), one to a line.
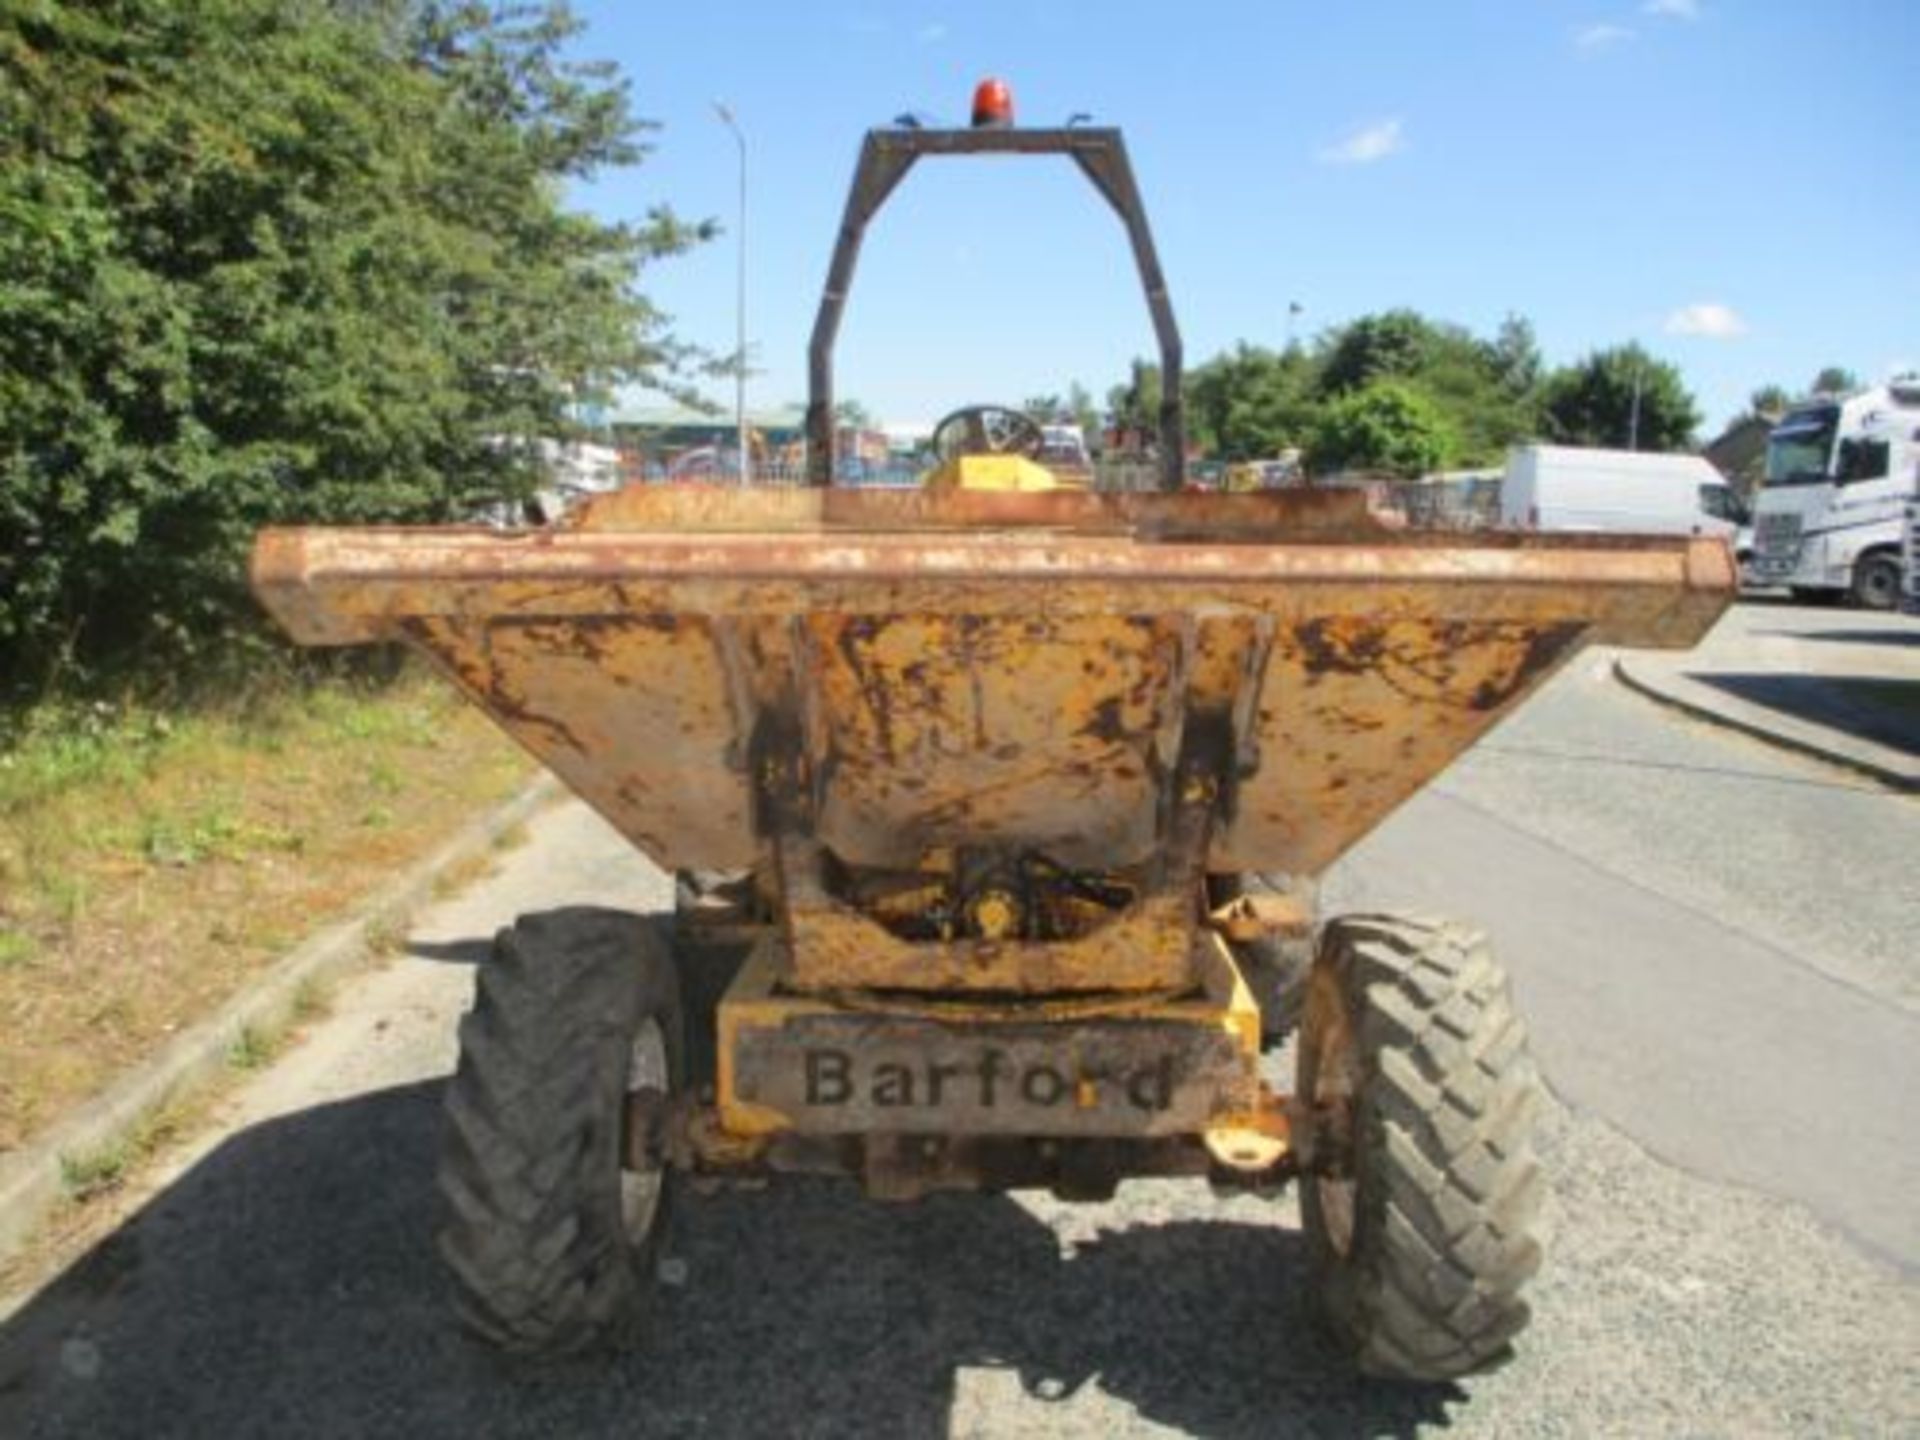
(1899, 637)
(472, 951)
(286, 1286)
(1886, 712)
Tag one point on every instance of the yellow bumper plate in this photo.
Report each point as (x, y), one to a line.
(1147, 1068)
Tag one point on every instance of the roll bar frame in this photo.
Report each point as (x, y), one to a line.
(886, 155)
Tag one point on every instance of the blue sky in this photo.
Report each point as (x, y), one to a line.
(1730, 182)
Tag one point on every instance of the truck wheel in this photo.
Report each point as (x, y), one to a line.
(1275, 968)
(551, 1233)
(1876, 580)
(1419, 1187)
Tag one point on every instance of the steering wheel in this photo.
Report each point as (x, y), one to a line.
(987, 430)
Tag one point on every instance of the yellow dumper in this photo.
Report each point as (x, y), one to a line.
(995, 809)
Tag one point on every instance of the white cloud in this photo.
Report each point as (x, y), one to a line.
(1365, 145)
(1708, 318)
(1601, 37)
(1673, 9)
(934, 33)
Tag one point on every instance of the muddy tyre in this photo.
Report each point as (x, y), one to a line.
(550, 1240)
(1422, 1192)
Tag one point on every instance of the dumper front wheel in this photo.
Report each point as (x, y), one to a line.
(1420, 1189)
(554, 1218)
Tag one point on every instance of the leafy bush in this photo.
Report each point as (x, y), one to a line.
(1386, 426)
(276, 261)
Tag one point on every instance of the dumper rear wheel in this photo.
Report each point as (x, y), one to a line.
(1421, 1190)
(553, 1226)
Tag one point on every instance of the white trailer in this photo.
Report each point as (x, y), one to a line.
(1839, 475)
(1559, 487)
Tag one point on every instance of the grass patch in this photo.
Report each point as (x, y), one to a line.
(152, 863)
(16, 948)
(385, 935)
(251, 1048)
(94, 1172)
(462, 873)
(312, 1000)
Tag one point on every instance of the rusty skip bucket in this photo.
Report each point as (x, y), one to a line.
(880, 677)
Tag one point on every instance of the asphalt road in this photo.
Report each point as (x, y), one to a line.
(1707, 936)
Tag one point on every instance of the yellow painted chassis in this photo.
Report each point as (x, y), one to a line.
(1221, 1100)
(820, 688)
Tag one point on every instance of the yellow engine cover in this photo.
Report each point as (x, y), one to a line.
(995, 472)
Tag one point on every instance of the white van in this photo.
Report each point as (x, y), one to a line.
(1559, 487)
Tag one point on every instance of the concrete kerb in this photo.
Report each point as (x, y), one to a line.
(1642, 684)
(31, 1180)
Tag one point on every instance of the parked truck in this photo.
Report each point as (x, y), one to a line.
(1830, 516)
(1910, 552)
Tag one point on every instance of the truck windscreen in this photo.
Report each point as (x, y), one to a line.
(1801, 446)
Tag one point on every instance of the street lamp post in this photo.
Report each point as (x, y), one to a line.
(725, 112)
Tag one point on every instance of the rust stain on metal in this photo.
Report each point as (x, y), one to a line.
(1011, 670)
(1163, 1065)
(979, 753)
(1149, 947)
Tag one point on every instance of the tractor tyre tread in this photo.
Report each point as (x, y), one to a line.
(529, 1169)
(1449, 1192)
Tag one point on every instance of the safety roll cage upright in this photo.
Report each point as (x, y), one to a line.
(886, 156)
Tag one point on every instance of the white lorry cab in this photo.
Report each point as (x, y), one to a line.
(1910, 558)
(1559, 487)
(1839, 475)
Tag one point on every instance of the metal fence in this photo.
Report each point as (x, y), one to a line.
(898, 472)
(1451, 504)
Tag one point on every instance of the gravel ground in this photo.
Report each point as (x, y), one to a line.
(278, 1279)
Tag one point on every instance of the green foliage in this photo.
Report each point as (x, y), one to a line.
(251, 1048)
(1395, 344)
(1075, 407)
(1386, 425)
(16, 948)
(278, 261)
(1135, 406)
(1770, 401)
(1483, 389)
(1251, 403)
(1450, 394)
(1084, 412)
(1620, 398)
(1835, 380)
(94, 1172)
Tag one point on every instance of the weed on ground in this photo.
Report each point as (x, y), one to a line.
(151, 863)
